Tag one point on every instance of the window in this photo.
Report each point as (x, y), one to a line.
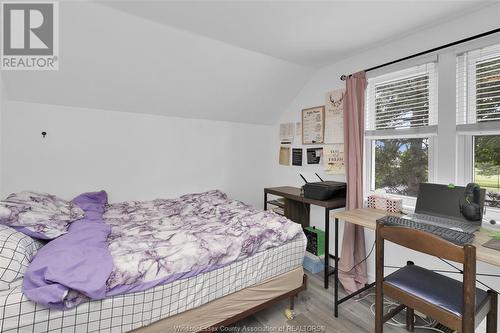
(401, 164)
(478, 87)
(478, 118)
(488, 90)
(402, 103)
(401, 136)
(400, 123)
(487, 167)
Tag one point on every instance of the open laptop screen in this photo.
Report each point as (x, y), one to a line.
(441, 200)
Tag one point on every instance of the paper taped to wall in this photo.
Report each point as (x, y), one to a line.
(314, 155)
(334, 159)
(297, 156)
(287, 133)
(334, 116)
(298, 132)
(284, 156)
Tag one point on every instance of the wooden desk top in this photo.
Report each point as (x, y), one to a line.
(293, 193)
(367, 218)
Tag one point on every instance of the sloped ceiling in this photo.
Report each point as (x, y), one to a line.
(308, 32)
(241, 61)
(112, 60)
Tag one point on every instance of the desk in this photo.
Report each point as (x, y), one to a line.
(297, 208)
(367, 218)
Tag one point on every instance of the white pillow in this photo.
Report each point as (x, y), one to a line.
(39, 215)
(16, 252)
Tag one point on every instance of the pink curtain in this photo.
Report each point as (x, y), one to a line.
(352, 274)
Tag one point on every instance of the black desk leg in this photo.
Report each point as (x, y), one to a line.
(336, 291)
(327, 248)
(265, 200)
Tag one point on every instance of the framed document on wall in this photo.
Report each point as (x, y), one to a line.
(313, 125)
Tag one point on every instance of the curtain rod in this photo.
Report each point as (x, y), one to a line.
(344, 77)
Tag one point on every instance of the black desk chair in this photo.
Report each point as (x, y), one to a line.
(459, 305)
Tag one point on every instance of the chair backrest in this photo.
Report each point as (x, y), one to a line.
(430, 244)
(422, 242)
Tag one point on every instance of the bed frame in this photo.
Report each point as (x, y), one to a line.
(290, 295)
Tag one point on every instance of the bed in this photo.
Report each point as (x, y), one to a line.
(214, 297)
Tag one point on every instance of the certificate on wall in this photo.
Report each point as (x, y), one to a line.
(334, 159)
(334, 116)
(313, 125)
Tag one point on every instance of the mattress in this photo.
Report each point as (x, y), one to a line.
(126, 312)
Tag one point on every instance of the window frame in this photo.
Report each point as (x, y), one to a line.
(468, 127)
(369, 153)
(465, 153)
(372, 134)
(427, 67)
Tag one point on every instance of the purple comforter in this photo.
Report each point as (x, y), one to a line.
(133, 246)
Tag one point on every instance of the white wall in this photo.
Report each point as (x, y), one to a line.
(328, 79)
(132, 156)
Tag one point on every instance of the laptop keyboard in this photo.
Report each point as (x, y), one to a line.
(453, 236)
(444, 222)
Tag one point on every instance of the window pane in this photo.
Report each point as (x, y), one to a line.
(402, 103)
(487, 167)
(488, 90)
(401, 164)
(478, 85)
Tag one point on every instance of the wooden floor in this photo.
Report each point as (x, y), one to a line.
(314, 313)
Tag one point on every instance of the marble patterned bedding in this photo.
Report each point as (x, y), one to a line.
(134, 246)
(182, 237)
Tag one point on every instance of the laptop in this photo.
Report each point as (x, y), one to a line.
(439, 205)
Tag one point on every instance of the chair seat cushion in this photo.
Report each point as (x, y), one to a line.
(433, 288)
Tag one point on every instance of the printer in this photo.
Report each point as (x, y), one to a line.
(323, 190)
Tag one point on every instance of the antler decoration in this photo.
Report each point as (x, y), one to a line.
(335, 103)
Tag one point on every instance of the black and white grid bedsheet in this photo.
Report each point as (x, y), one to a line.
(16, 252)
(123, 313)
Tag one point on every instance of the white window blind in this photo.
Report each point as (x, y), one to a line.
(478, 88)
(404, 101)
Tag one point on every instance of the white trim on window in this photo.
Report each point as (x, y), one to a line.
(431, 153)
(416, 132)
(486, 128)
